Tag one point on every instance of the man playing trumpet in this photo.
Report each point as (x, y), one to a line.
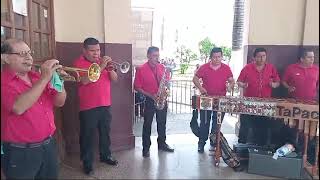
(95, 105)
(27, 119)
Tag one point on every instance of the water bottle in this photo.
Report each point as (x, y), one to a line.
(283, 151)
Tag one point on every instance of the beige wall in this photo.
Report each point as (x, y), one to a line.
(117, 21)
(282, 22)
(311, 31)
(106, 20)
(276, 22)
(75, 20)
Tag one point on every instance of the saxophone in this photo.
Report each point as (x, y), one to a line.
(163, 92)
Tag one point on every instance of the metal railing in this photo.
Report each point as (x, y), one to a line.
(179, 100)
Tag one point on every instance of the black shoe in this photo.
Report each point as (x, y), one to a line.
(145, 153)
(200, 149)
(88, 170)
(165, 147)
(109, 160)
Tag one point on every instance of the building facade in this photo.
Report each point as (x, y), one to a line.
(56, 29)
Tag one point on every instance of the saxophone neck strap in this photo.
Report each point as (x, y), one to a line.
(155, 72)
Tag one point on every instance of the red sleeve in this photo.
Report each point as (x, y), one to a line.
(286, 75)
(137, 79)
(200, 72)
(51, 90)
(9, 95)
(275, 75)
(243, 75)
(229, 72)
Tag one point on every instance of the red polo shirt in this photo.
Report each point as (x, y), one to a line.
(305, 80)
(94, 94)
(145, 78)
(258, 82)
(214, 81)
(35, 124)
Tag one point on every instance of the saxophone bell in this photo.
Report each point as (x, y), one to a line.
(163, 92)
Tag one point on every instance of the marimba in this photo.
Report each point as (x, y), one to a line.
(303, 115)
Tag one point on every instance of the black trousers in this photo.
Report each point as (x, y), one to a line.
(205, 117)
(30, 162)
(90, 120)
(259, 130)
(139, 104)
(161, 118)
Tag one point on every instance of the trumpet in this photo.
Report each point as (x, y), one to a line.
(124, 66)
(93, 72)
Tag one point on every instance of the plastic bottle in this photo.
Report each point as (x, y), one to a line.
(283, 151)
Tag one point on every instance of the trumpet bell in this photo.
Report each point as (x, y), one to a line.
(124, 67)
(94, 72)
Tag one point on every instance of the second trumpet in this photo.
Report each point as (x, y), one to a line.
(124, 66)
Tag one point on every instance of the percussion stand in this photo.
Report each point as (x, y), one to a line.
(299, 134)
(315, 168)
(306, 140)
(312, 131)
(218, 137)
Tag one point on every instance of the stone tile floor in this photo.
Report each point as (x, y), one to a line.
(180, 124)
(184, 163)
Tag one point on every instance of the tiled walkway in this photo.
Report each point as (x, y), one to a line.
(180, 124)
(184, 163)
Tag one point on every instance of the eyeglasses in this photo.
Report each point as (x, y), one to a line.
(23, 53)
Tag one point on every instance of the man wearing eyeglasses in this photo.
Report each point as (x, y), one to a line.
(27, 118)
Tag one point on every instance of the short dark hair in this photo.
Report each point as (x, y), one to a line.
(152, 49)
(257, 50)
(215, 50)
(90, 41)
(303, 52)
(6, 46)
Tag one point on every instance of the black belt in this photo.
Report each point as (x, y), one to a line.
(30, 145)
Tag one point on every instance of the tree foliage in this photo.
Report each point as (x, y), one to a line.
(205, 47)
(185, 55)
(226, 52)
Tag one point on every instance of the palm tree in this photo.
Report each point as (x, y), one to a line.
(238, 22)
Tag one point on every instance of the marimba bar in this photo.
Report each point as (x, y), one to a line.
(303, 115)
